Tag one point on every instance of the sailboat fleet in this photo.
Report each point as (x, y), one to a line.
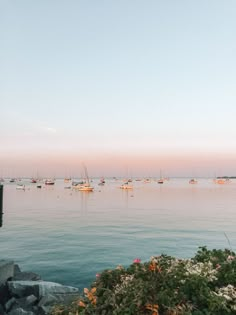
(85, 183)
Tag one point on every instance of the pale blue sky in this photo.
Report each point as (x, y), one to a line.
(118, 77)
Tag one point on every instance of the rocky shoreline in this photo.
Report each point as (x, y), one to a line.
(25, 293)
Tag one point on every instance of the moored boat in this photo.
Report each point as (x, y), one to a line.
(126, 186)
(20, 187)
(220, 181)
(102, 182)
(85, 186)
(192, 181)
(49, 182)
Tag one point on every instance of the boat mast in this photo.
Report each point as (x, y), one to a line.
(86, 174)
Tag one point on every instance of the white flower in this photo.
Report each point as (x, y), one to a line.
(201, 269)
(125, 281)
(229, 294)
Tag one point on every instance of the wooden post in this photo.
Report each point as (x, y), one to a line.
(1, 203)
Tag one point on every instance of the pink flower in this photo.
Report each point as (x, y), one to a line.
(230, 257)
(98, 275)
(137, 261)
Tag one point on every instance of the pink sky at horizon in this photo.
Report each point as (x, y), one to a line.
(127, 87)
(120, 165)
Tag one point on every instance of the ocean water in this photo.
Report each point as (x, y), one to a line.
(68, 236)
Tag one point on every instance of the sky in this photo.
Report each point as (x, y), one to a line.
(127, 87)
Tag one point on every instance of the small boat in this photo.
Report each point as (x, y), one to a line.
(39, 186)
(161, 180)
(220, 181)
(126, 186)
(86, 185)
(49, 182)
(33, 181)
(20, 187)
(102, 182)
(193, 181)
(12, 180)
(67, 180)
(74, 183)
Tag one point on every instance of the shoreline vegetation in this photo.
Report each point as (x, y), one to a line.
(202, 285)
(165, 285)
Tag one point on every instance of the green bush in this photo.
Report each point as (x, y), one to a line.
(202, 285)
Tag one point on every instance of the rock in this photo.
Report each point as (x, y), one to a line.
(10, 303)
(20, 311)
(4, 294)
(21, 289)
(57, 299)
(47, 302)
(26, 276)
(27, 302)
(6, 270)
(38, 288)
(30, 300)
(16, 269)
(53, 288)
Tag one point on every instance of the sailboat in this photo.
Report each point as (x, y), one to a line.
(126, 186)
(85, 186)
(161, 180)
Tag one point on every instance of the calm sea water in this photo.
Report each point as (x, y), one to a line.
(68, 236)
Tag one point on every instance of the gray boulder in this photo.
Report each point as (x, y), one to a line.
(20, 311)
(4, 294)
(38, 288)
(21, 289)
(6, 270)
(26, 303)
(16, 269)
(48, 301)
(26, 276)
(10, 303)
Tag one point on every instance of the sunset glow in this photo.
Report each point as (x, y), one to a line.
(127, 87)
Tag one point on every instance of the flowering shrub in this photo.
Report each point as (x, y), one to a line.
(203, 285)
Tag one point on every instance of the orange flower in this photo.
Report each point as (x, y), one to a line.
(152, 307)
(154, 267)
(90, 295)
(81, 303)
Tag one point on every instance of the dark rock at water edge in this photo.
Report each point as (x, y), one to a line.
(25, 293)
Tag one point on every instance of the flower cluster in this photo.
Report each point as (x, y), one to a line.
(125, 282)
(229, 294)
(203, 285)
(205, 269)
